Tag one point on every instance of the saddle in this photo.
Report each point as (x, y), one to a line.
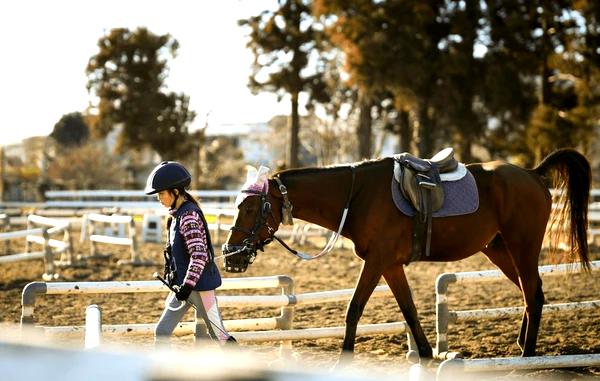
(421, 184)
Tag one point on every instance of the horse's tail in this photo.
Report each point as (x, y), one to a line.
(572, 178)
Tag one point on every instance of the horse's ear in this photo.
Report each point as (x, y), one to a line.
(263, 174)
(251, 174)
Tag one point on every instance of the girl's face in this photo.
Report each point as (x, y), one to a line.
(166, 198)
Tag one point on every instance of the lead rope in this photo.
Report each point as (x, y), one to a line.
(334, 236)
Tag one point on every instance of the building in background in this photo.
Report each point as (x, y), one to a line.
(248, 137)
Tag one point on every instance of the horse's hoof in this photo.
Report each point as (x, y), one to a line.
(344, 360)
(413, 357)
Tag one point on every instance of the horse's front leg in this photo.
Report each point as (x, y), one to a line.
(396, 279)
(368, 280)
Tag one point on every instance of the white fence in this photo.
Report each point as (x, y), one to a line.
(284, 283)
(216, 204)
(93, 326)
(41, 236)
(280, 328)
(456, 369)
(45, 253)
(112, 224)
(444, 316)
(63, 246)
(129, 199)
(258, 329)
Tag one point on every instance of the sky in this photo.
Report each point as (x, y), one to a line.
(46, 46)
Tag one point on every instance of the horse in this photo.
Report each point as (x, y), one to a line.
(508, 226)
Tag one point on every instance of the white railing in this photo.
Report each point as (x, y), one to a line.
(444, 316)
(256, 330)
(41, 236)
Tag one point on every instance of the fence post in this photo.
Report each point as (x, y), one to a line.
(27, 243)
(441, 311)
(91, 231)
(93, 326)
(68, 240)
(135, 257)
(285, 320)
(5, 219)
(48, 257)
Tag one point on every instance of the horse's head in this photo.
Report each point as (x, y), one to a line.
(255, 224)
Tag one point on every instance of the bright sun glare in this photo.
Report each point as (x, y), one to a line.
(43, 66)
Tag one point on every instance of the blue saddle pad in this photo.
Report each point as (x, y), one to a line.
(460, 197)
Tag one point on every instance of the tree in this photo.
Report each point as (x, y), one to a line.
(128, 74)
(324, 142)
(88, 166)
(222, 164)
(390, 47)
(282, 42)
(71, 130)
(541, 63)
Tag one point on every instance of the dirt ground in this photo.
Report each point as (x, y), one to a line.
(560, 333)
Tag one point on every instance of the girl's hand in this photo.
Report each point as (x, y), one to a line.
(184, 292)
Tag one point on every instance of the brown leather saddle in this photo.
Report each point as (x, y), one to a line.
(420, 183)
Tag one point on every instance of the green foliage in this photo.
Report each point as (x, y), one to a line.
(518, 78)
(128, 74)
(285, 44)
(71, 130)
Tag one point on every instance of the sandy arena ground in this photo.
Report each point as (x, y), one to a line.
(560, 333)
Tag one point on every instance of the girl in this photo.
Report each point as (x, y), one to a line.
(189, 258)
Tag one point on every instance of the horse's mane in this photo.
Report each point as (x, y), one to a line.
(325, 168)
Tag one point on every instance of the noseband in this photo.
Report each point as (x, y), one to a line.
(238, 257)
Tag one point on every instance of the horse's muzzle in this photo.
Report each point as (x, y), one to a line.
(239, 262)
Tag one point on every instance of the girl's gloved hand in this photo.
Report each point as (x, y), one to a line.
(184, 292)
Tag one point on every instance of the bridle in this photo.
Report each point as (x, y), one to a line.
(239, 257)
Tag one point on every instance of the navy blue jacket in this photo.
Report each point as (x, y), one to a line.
(180, 259)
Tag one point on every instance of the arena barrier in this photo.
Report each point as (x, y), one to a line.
(129, 199)
(263, 329)
(453, 369)
(283, 321)
(54, 227)
(5, 227)
(46, 253)
(110, 223)
(93, 326)
(444, 316)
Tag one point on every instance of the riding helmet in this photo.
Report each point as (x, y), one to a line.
(167, 175)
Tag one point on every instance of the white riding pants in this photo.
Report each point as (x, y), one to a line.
(206, 309)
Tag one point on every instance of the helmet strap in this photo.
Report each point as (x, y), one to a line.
(176, 194)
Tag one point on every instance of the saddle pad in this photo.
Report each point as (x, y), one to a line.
(460, 197)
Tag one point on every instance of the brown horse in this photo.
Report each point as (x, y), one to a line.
(508, 227)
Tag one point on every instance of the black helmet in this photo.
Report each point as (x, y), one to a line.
(167, 175)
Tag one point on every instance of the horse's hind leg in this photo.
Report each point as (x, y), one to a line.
(524, 246)
(396, 279)
(499, 255)
(534, 303)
